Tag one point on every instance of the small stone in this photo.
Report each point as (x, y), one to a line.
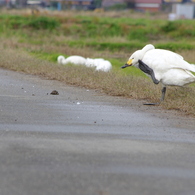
(54, 92)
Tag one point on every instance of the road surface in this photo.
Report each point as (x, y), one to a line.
(81, 142)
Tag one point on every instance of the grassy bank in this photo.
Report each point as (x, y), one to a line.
(31, 44)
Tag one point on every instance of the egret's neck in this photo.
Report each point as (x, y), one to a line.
(147, 48)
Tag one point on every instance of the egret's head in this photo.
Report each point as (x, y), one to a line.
(133, 60)
(138, 55)
(60, 59)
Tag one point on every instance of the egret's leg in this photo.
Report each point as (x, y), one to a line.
(161, 99)
(146, 69)
(163, 94)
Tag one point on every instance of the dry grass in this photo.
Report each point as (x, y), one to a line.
(113, 83)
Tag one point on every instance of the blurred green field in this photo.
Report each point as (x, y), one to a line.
(98, 32)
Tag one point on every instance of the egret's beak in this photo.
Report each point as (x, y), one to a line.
(129, 63)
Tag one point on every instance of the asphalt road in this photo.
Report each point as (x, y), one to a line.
(81, 142)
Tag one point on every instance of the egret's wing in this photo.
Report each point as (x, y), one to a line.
(163, 60)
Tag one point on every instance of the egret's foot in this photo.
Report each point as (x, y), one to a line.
(151, 104)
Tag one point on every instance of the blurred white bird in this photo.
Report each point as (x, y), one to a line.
(99, 63)
(76, 60)
(90, 62)
(163, 66)
(103, 65)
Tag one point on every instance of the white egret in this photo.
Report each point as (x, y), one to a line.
(98, 63)
(162, 66)
(76, 60)
(103, 65)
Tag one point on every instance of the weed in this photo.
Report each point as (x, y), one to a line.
(43, 23)
(170, 26)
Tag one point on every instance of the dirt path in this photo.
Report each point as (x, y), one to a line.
(83, 142)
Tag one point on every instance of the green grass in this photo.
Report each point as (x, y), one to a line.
(30, 22)
(84, 27)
